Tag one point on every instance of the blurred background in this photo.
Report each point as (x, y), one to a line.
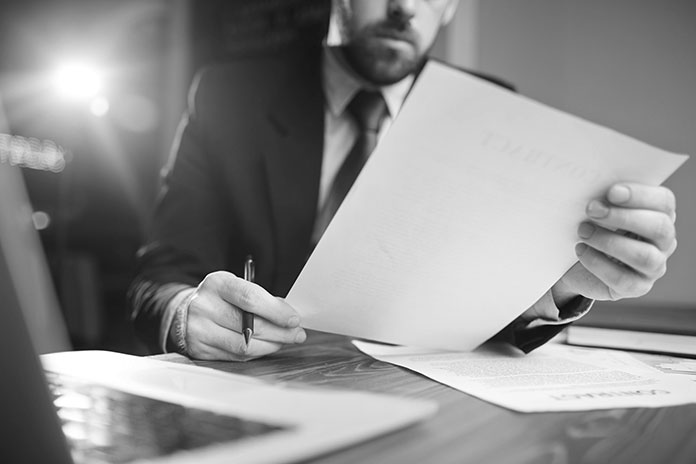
(93, 90)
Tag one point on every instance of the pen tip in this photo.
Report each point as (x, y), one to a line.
(247, 336)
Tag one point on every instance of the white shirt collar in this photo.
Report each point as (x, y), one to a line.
(341, 85)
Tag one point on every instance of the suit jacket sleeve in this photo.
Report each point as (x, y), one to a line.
(529, 335)
(188, 236)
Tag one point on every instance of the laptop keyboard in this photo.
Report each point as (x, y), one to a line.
(106, 425)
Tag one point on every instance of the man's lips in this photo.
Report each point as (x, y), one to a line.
(394, 32)
(390, 43)
(402, 42)
(396, 36)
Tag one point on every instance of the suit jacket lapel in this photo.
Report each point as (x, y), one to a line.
(293, 157)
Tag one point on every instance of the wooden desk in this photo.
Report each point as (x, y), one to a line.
(468, 430)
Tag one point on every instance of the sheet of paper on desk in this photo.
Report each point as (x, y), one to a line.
(464, 216)
(553, 378)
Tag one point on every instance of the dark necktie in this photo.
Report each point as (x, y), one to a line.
(369, 110)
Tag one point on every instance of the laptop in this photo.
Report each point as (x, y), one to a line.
(70, 407)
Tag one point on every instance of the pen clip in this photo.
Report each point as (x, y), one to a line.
(249, 269)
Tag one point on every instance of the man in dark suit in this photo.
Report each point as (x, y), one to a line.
(255, 168)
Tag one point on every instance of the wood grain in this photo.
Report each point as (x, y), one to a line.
(468, 430)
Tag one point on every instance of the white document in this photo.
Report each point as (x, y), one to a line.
(464, 216)
(555, 377)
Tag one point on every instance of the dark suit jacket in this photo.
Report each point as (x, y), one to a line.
(243, 179)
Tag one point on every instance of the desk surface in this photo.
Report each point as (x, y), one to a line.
(468, 430)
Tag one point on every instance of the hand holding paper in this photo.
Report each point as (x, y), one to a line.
(636, 227)
(472, 186)
(625, 242)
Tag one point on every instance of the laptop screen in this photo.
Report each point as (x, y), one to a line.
(101, 424)
(105, 424)
(34, 431)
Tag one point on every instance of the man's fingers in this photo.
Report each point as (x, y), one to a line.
(654, 226)
(621, 281)
(253, 298)
(640, 196)
(265, 330)
(255, 350)
(211, 307)
(207, 340)
(642, 256)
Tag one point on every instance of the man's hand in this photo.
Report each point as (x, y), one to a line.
(214, 323)
(624, 244)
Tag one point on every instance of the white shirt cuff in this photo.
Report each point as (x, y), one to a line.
(170, 314)
(570, 312)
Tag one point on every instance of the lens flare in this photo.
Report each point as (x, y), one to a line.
(76, 80)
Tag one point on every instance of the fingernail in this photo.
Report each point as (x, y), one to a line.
(300, 337)
(585, 230)
(596, 209)
(294, 321)
(619, 194)
(580, 249)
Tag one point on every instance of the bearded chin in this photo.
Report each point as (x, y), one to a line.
(380, 65)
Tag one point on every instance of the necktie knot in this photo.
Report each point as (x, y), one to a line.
(369, 109)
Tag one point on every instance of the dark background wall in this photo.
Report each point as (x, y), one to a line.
(98, 206)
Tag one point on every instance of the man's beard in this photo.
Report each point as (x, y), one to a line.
(378, 63)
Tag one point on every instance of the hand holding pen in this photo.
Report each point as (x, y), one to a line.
(225, 312)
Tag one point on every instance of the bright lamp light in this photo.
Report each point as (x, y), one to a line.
(77, 80)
